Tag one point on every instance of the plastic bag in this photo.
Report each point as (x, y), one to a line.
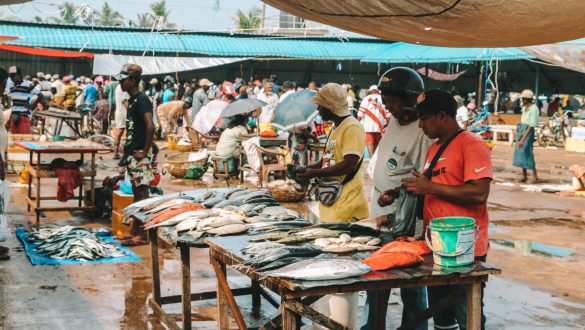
(404, 244)
(4, 200)
(372, 164)
(407, 206)
(251, 153)
(393, 260)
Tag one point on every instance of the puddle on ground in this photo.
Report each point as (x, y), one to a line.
(529, 247)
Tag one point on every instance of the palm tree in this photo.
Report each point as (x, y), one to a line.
(159, 9)
(248, 21)
(109, 16)
(143, 21)
(67, 14)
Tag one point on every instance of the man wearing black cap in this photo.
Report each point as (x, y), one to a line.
(455, 182)
(21, 93)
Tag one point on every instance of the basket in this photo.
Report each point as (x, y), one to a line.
(172, 142)
(178, 164)
(287, 196)
(184, 147)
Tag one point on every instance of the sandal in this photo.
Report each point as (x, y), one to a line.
(116, 157)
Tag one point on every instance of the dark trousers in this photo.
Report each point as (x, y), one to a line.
(456, 314)
(413, 299)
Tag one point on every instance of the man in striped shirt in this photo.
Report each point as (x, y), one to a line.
(374, 117)
(21, 94)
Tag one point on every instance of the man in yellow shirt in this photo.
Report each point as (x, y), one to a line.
(344, 151)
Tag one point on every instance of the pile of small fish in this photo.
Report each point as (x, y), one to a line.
(74, 243)
(279, 253)
(321, 269)
(298, 236)
(348, 244)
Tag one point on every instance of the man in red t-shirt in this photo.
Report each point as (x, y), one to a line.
(459, 186)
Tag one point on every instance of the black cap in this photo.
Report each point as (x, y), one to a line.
(435, 101)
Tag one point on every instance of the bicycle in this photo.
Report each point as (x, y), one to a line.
(555, 131)
(91, 128)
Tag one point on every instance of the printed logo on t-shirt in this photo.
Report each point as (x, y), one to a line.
(392, 164)
(398, 152)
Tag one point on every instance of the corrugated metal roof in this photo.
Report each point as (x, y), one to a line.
(120, 40)
(402, 52)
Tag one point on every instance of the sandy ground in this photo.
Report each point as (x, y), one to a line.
(534, 291)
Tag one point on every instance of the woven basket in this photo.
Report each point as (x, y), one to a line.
(287, 196)
(184, 147)
(178, 165)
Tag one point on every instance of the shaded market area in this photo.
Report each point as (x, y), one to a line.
(308, 165)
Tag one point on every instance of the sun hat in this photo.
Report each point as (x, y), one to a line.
(205, 82)
(333, 97)
(527, 94)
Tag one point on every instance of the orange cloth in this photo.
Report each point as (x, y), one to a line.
(392, 260)
(404, 244)
(467, 158)
(167, 214)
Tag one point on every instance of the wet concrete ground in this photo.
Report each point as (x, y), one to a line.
(534, 290)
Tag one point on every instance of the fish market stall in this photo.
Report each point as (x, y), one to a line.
(248, 231)
(58, 117)
(38, 171)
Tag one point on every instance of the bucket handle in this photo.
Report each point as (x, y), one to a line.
(454, 254)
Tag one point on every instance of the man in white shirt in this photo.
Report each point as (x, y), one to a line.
(403, 148)
(462, 115)
(120, 117)
(373, 117)
(267, 113)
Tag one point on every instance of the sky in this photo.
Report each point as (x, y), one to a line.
(186, 14)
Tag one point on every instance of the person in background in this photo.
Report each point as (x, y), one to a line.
(190, 89)
(140, 151)
(373, 117)
(110, 89)
(4, 251)
(257, 87)
(57, 83)
(102, 112)
(90, 93)
(459, 186)
(524, 153)
(312, 86)
(200, 97)
(229, 141)
(267, 113)
(242, 91)
(402, 149)
(70, 93)
(553, 106)
(462, 112)
(168, 94)
(120, 117)
(288, 87)
(342, 161)
(21, 93)
(169, 114)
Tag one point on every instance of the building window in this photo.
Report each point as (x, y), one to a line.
(288, 21)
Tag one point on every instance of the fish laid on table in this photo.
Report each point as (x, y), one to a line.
(285, 252)
(321, 269)
(200, 214)
(173, 203)
(279, 263)
(165, 215)
(347, 244)
(73, 243)
(260, 248)
(213, 201)
(224, 221)
(269, 237)
(228, 230)
(187, 225)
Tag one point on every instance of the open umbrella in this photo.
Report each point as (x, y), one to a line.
(207, 117)
(297, 110)
(242, 106)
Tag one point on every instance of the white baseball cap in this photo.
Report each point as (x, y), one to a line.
(373, 88)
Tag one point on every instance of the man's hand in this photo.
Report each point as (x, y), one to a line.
(139, 155)
(307, 175)
(419, 185)
(383, 220)
(388, 197)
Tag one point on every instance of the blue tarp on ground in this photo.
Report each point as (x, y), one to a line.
(40, 259)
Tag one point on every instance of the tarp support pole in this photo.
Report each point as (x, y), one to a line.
(537, 83)
(479, 88)
(426, 76)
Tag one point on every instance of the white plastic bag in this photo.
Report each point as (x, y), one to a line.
(251, 152)
(4, 200)
(372, 164)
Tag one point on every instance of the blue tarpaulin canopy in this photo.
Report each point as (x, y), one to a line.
(402, 52)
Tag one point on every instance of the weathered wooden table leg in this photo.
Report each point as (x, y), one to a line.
(155, 269)
(223, 321)
(30, 162)
(81, 186)
(474, 306)
(92, 185)
(38, 183)
(256, 298)
(290, 319)
(220, 274)
(186, 285)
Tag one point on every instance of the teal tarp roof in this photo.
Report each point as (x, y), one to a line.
(124, 40)
(402, 52)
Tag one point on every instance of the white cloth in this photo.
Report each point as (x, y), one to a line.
(401, 150)
(58, 85)
(462, 116)
(120, 115)
(251, 153)
(267, 110)
(370, 108)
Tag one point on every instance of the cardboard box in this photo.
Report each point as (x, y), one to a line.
(118, 228)
(121, 200)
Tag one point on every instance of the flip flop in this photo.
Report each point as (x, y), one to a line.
(116, 157)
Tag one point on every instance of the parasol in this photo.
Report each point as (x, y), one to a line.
(297, 110)
(208, 116)
(242, 106)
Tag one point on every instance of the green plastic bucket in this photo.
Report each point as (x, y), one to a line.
(453, 240)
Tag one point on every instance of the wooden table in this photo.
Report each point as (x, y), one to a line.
(70, 118)
(297, 296)
(37, 172)
(509, 130)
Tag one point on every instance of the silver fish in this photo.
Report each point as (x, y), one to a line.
(187, 225)
(229, 230)
(321, 269)
(260, 248)
(285, 252)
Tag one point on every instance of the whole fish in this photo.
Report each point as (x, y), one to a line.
(228, 202)
(279, 263)
(199, 214)
(175, 202)
(233, 191)
(220, 223)
(285, 252)
(269, 237)
(245, 208)
(187, 225)
(229, 230)
(321, 269)
(260, 248)
(213, 201)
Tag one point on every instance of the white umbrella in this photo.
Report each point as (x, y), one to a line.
(208, 116)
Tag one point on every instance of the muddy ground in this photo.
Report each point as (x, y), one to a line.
(532, 232)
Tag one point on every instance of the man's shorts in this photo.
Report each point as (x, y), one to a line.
(373, 138)
(144, 171)
(20, 125)
(120, 118)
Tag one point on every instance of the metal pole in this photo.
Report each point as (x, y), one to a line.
(479, 89)
(537, 84)
(426, 76)
(263, 18)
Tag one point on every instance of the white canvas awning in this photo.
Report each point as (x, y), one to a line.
(570, 55)
(450, 23)
(154, 65)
